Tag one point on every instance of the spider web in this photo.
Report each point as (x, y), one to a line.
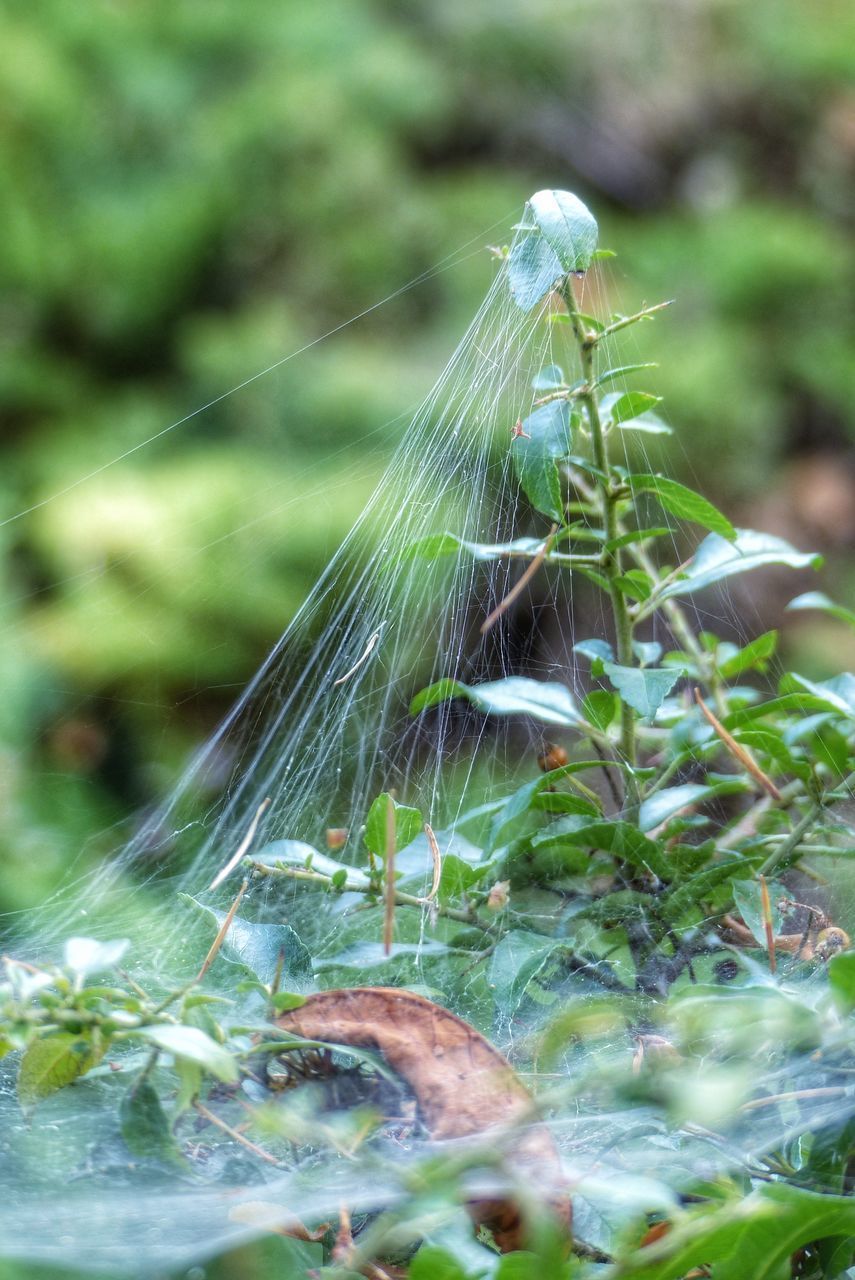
(323, 727)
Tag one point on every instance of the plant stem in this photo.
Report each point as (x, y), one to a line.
(401, 898)
(794, 839)
(612, 567)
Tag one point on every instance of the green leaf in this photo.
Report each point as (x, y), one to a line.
(635, 583)
(841, 979)
(643, 689)
(433, 1263)
(600, 708)
(748, 900)
(514, 696)
(446, 544)
(831, 749)
(518, 958)
(621, 839)
(665, 803)
(550, 378)
(800, 703)
(522, 800)
(408, 823)
(258, 947)
(693, 891)
(189, 1085)
(623, 371)
(837, 693)
(435, 694)
(514, 807)
(145, 1127)
(51, 1062)
(754, 1237)
(819, 600)
(568, 227)
(717, 558)
(285, 1000)
(647, 422)
(457, 877)
(194, 1045)
(753, 657)
(637, 535)
(533, 269)
(647, 651)
(683, 503)
(536, 459)
(594, 650)
(629, 405)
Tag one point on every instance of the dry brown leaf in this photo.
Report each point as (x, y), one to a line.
(463, 1086)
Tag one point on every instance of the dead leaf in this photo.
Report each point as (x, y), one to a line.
(463, 1086)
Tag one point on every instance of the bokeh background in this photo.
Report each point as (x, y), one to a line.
(193, 189)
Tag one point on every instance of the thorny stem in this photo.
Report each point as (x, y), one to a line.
(612, 566)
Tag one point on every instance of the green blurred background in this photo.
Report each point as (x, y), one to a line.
(194, 189)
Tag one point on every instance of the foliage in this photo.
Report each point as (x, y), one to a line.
(640, 891)
(197, 191)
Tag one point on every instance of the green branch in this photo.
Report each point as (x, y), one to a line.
(402, 899)
(612, 566)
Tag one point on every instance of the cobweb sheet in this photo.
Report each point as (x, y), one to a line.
(323, 727)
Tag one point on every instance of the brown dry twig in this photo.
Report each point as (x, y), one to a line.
(234, 1134)
(437, 862)
(524, 580)
(738, 752)
(223, 930)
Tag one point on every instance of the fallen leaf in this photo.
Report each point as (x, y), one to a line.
(463, 1086)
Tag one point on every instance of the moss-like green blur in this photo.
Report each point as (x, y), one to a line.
(194, 191)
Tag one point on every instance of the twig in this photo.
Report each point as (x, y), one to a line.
(738, 752)
(242, 848)
(343, 1247)
(624, 321)
(223, 930)
(524, 580)
(797, 1095)
(234, 1134)
(794, 839)
(607, 766)
(766, 908)
(402, 899)
(134, 986)
(23, 964)
(437, 862)
(372, 640)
